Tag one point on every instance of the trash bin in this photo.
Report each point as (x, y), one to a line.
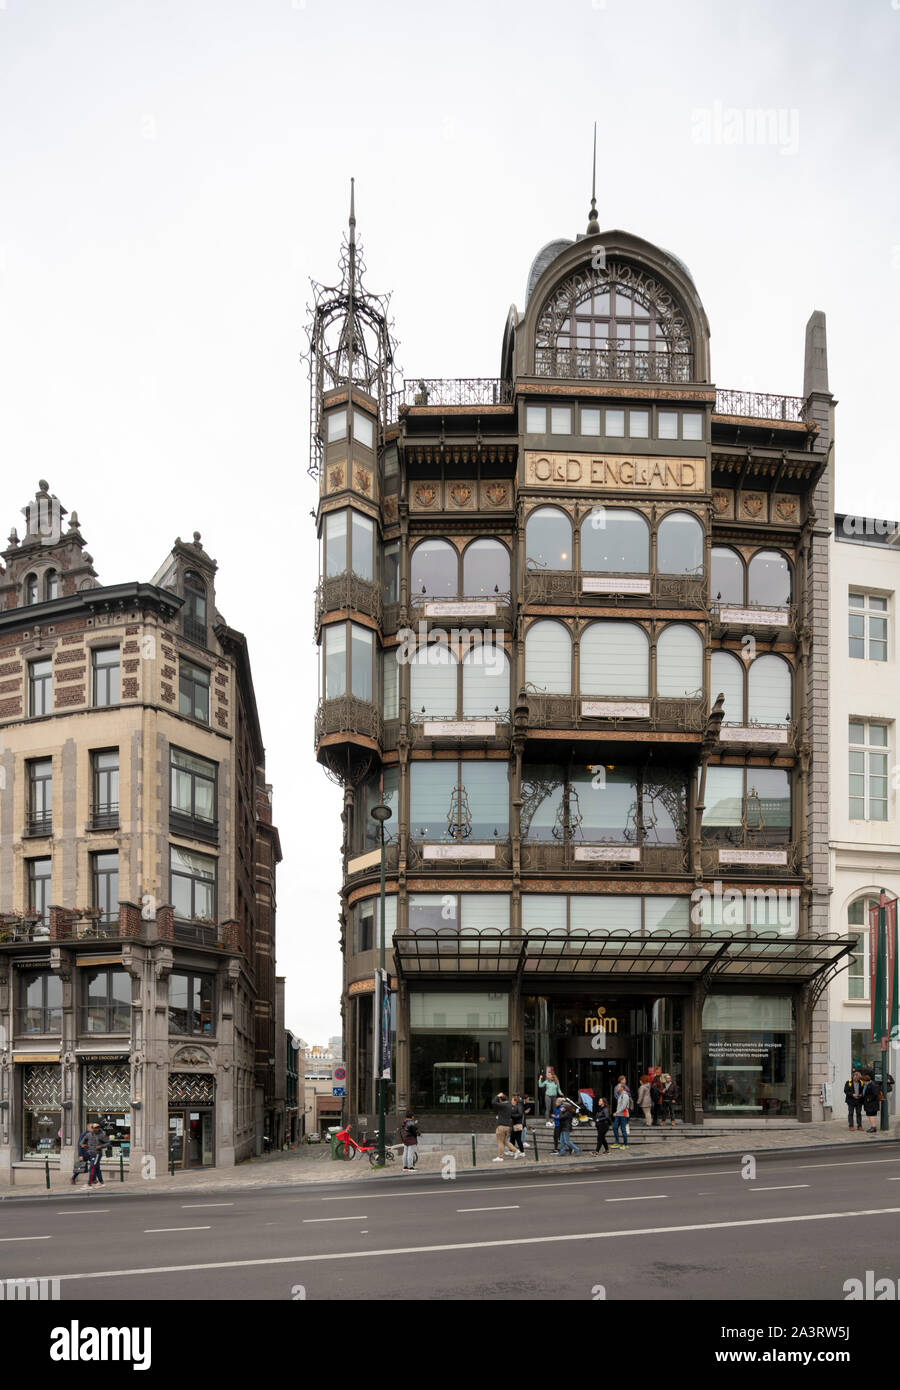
(337, 1150)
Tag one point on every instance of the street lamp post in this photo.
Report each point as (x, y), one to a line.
(381, 814)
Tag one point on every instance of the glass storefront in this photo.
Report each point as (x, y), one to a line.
(459, 1051)
(749, 1055)
(41, 1109)
(106, 1101)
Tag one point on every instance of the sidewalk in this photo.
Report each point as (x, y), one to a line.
(313, 1163)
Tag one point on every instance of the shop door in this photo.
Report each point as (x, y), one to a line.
(191, 1138)
(176, 1137)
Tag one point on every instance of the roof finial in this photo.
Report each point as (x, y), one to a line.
(352, 215)
(593, 227)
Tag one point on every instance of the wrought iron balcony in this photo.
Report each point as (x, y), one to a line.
(492, 728)
(612, 364)
(487, 610)
(752, 736)
(438, 852)
(598, 857)
(727, 853)
(89, 923)
(194, 631)
(595, 590)
(39, 823)
(350, 716)
(193, 827)
(755, 618)
(348, 591)
(471, 391)
(757, 405)
(105, 817)
(662, 715)
(22, 926)
(198, 933)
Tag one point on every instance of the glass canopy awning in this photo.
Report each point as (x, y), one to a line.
(760, 957)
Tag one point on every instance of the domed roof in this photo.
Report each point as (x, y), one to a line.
(543, 258)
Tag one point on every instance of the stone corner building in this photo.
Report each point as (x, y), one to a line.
(574, 634)
(137, 863)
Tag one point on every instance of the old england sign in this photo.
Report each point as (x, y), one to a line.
(642, 473)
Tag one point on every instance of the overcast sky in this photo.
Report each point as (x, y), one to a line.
(173, 172)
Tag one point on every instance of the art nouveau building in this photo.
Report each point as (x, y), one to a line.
(865, 833)
(533, 590)
(137, 863)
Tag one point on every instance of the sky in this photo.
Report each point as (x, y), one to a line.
(173, 172)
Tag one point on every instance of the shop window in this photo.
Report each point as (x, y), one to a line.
(769, 579)
(615, 541)
(106, 1006)
(749, 1055)
(41, 1110)
(679, 544)
(458, 1051)
(548, 658)
(459, 801)
(548, 539)
(615, 660)
(191, 1004)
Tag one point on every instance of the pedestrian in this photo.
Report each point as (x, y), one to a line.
(81, 1156)
(872, 1103)
(669, 1097)
(602, 1121)
(96, 1141)
(643, 1099)
(620, 1118)
(656, 1096)
(503, 1115)
(853, 1095)
(409, 1133)
(549, 1084)
(517, 1115)
(528, 1109)
(566, 1116)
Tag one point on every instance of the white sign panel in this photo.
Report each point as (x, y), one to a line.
(459, 851)
(448, 609)
(770, 617)
(617, 852)
(752, 856)
(754, 734)
(464, 728)
(594, 584)
(615, 709)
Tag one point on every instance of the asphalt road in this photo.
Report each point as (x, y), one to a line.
(674, 1230)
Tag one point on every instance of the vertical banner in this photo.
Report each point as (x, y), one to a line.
(376, 1027)
(874, 974)
(385, 1026)
(893, 966)
(883, 968)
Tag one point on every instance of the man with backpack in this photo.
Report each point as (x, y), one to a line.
(82, 1163)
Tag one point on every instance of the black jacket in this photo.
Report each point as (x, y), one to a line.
(503, 1110)
(517, 1113)
(850, 1098)
(872, 1098)
(602, 1119)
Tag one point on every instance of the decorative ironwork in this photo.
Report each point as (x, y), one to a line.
(191, 1088)
(501, 858)
(565, 586)
(459, 816)
(667, 716)
(450, 391)
(41, 1086)
(348, 591)
(106, 1086)
(655, 860)
(713, 867)
(348, 715)
(757, 405)
(754, 618)
(613, 364)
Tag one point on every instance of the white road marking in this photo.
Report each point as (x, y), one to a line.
(189, 1206)
(477, 1245)
(784, 1187)
(158, 1230)
(6, 1240)
(320, 1220)
(461, 1209)
(88, 1211)
(644, 1197)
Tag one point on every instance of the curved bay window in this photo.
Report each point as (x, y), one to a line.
(382, 790)
(349, 662)
(467, 800)
(348, 544)
(195, 610)
(602, 804)
(618, 324)
(747, 805)
(610, 552)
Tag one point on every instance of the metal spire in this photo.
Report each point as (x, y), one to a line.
(593, 227)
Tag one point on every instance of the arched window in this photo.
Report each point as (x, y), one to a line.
(726, 575)
(434, 570)
(679, 545)
(485, 569)
(548, 658)
(548, 540)
(51, 585)
(615, 659)
(194, 607)
(433, 683)
(770, 579)
(679, 662)
(726, 677)
(770, 700)
(485, 683)
(615, 541)
(858, 926)
(31, 588)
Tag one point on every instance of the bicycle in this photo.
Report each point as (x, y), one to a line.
(349, 1147)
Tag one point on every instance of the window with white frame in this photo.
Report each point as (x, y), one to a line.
(868, 770)
(858, 926)
(868, 626)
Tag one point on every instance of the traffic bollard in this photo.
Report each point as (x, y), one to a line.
(534, 1141)
(474, 1164)
(47, 1171)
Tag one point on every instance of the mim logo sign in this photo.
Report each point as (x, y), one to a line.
(77, 1343)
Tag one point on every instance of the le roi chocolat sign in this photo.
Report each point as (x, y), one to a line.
(642, 473)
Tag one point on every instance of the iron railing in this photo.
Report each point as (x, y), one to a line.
(566, 586)
(347, 590)
(656, 860)
(105, 817)
(612, 364)
(40, 823)
(500, 858)
(666, 715)
(348, 715)
(757, 405)
(754, 617)
(450, 391)
(714, 867)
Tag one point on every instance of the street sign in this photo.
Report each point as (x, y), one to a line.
(339, 1074)
(338, 1092)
